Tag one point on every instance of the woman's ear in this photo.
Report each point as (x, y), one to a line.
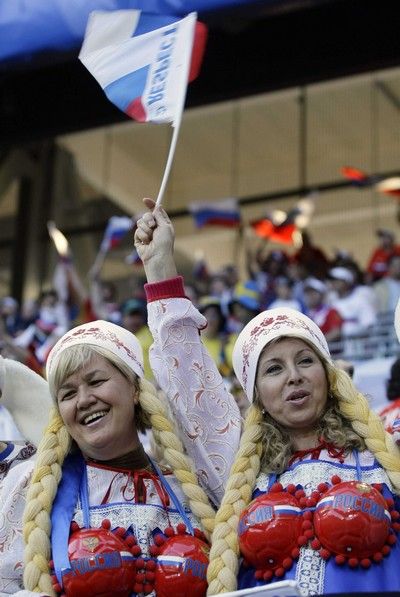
(256, 397)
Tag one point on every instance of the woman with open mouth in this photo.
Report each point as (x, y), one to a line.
(312, 496)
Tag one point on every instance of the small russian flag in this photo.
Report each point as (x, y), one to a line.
(143, 61)
(115, 231)
(222, 213)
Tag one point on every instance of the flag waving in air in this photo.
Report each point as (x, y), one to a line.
(115, 231)
(142, 61)
(219, 213)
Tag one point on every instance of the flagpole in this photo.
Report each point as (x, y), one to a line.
(170, 158)
(192, 17)
(98, 263)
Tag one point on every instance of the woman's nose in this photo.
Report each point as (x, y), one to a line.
(84, 397)
(294, 375)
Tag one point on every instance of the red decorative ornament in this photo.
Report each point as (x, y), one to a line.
(354, 523)
(181, 563)
(272, 529)
(102, 563)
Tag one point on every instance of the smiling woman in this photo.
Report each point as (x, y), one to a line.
(97, 404)
(106, 515)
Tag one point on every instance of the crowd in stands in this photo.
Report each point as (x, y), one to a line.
(348, 304)
(345, 301)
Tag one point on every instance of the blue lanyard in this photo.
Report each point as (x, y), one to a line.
(358, 465)
(63, 510)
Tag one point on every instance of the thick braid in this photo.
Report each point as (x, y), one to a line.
(367, 424)
(224, 564)
(173, 452)
(46, 476)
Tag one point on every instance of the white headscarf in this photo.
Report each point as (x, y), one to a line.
(117, 340)
(268, 325)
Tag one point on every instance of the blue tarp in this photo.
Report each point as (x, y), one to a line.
(30, 26)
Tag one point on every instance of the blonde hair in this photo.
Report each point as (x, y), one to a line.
(356, 425)
(56, 444)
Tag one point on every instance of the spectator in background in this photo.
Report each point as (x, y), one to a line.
(220, 288)
(29, 312)
(231, 274)
(9, 312)
(214, 337)
(52, 322)
(312, 257)
(351, 302)
(284, 294)
(387, 289)
(134, 319)
(264, 269)
(326, 317)
(343, 258)
(200, 274)
(378, 262)
(104, 300)
(245, 304)
(298, 273)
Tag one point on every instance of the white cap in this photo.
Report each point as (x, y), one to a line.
(315, 284)
(342, 273)
(268, 325)
(116, 339)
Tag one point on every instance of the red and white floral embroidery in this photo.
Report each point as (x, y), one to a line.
(100, 336)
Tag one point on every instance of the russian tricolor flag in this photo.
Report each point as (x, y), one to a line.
(222, 213)
(142, 61)
(115, 231)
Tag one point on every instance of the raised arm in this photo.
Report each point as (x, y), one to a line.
(205, 412)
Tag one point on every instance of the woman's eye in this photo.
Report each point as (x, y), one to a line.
(66, 396)
(273, 369)
(96, 382)
(307, 360)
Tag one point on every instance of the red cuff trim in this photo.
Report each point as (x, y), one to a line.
(171, 288)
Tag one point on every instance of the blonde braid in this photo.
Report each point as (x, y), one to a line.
(166, 436)
(368, 425)
(223, 567)
(46, 476)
